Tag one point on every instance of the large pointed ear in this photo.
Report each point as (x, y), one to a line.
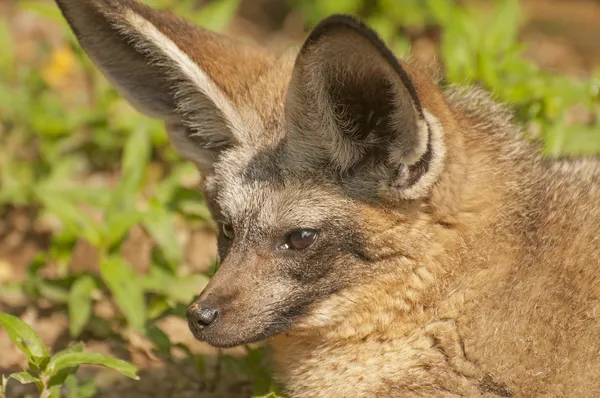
(169, 69)
(351, 103)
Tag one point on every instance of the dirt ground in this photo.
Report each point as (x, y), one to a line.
(563, 35)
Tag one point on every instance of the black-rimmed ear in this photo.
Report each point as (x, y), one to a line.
(352, 103)
(169, 69)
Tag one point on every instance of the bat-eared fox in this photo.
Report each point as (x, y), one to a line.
(385, 236)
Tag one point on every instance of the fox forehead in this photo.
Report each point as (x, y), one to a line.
(254, 188)
(261, 104)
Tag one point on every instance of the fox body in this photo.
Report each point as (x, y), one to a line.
(385, 236)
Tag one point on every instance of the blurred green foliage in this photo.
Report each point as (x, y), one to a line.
(54, 138)
(50, 372)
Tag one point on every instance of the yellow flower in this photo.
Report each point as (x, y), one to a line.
(60, 67)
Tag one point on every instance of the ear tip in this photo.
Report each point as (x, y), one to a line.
(106, 5)
(328, 24)
(78, 7)
(341, 19)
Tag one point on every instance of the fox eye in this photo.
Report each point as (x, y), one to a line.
(300, 239)
(227, 230)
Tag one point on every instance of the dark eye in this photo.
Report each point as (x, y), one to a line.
(227, 230)
(300, 239)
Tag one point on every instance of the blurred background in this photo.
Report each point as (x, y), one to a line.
(104, 237)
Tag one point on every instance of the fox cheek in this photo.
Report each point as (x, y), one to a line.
(306, 271)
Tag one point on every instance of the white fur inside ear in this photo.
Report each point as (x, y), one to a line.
(409, 147)
(196, 81)
(436, 163)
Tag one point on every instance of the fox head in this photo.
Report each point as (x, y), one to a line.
(325, 168)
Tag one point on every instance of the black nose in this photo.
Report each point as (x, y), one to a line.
(201, 316)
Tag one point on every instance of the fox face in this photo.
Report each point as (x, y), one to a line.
(299, 246)
(320, 166)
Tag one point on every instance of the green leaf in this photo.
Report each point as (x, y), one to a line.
(159, 223)
(86, 389)
(80, 304)
(136, 155)
(119, 224)
(578, 140)
(71, 216)
(61, 174)
(77, 347)
(124, 285)
(52, 290)
(69, 359)
(54, 392)
(157, 306)
(501, 33)
(121, 214)
(190, 203)
(24, 337)
(58, 379)
(160, 339)
(167, 187)
(61, 375)
(24, 377)
(98, 197)
(181, 289)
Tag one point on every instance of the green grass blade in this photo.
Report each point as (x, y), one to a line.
(80, 304)
(123, 283)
